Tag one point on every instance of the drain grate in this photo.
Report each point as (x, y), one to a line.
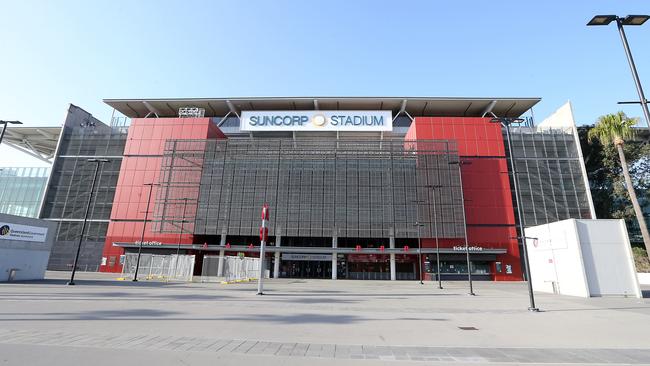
(467, 328)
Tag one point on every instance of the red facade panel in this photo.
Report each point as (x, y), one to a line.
(140, 165)
(486, 186)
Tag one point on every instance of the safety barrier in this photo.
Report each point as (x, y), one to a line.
(233, 269)
(155, 266)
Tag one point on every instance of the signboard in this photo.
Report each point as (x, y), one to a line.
(306, 257)
(316, 121)
(149, 243)
(460, 248)
(17, 232)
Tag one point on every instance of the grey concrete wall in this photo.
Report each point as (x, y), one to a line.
(27, 257)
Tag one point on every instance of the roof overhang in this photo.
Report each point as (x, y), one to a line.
(308, 250)
(39, 142)
(414, 106)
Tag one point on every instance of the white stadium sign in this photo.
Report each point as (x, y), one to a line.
(316, 121)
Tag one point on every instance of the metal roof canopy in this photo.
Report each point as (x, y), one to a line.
(416, 107)
(39, 142)
(308, 250)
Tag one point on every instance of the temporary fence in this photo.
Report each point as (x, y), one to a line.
(155, 266)
(234, 268)
(240, 268)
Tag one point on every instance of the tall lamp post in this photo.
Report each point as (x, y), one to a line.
(506, 122)
(418, 225)
(144, 225)
(462, 199)
(4, 127)
(97, 162)
(435, 228)
(599, 20)
(180, 236)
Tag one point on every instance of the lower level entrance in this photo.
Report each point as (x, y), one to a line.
(306, 269)
(297, 265)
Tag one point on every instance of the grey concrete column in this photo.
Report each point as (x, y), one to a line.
(276, 263)
(222, 254)
(393, 274)
(335, 244)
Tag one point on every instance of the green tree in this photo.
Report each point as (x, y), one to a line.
(614, 129)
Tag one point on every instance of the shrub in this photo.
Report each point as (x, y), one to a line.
(641, 260)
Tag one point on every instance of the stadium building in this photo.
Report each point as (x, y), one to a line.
(356, 186)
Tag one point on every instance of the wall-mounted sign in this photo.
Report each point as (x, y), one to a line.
(461, 248)
(17, 232)
(149, 243)
(306, 257)
(316, 121)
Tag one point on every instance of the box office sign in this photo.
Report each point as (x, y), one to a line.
(316, 121)
(17, 232)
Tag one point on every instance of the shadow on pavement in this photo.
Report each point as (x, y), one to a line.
(107, 282)
(153, 314)
(128, 314)
(351, 294)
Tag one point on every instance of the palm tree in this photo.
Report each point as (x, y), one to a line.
(615, 129)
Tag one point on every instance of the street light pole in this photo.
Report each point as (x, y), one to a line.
(417, 224)
(506, 122)
(620, 22)
(635, 74)
(83, 226)
(469, 263)
(144, 225)
(4, 127)
(435, 228)
(180, 236)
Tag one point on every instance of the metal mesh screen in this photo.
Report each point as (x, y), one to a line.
(180, 181)
(550, 175)
(316, 188)
(68, 191)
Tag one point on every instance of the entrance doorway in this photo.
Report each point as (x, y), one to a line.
(306, 269)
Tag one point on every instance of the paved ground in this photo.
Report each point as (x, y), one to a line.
(106, 322)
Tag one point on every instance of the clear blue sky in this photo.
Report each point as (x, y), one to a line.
(60, 52)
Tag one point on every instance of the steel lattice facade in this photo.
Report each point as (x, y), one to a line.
(550, 173)
(316, 188)
(68, 189)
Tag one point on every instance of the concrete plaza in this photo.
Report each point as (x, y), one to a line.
(102, 321)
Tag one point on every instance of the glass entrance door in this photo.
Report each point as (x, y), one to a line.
(307, 269)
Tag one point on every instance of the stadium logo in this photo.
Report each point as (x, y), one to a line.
(4, 230)
(319, 120)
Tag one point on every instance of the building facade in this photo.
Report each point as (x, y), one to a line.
(350, 197)
(68, 188)
(359, 188)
